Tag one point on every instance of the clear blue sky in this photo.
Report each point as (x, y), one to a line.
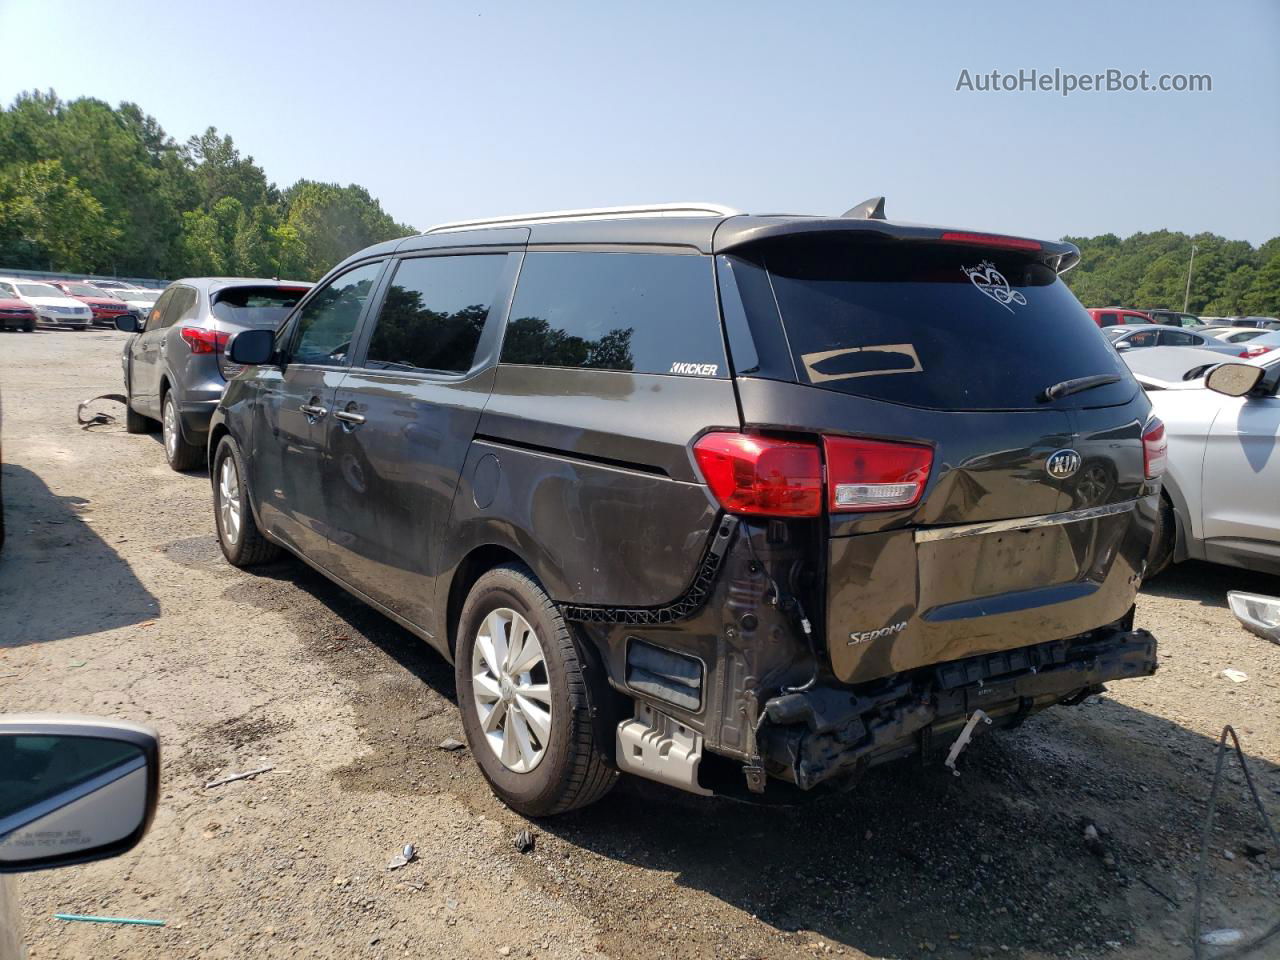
(457, 110)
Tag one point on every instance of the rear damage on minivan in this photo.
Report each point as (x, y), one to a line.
(936, 512)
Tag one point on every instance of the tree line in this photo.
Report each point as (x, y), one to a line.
(90, 188)
(1228, 277)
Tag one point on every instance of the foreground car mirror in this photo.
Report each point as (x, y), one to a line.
(73, 789)
(252, 347)
(127, 323)
(1124, 345)
(1233, 379)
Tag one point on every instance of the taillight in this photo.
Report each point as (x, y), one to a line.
(204, 341)
(1250, 352)
(1155, 449)
(875, 474)
(994, 240)
(765, 476)
(761, 475)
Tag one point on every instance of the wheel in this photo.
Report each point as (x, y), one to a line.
(1161, 553)
(135, 422)
(242, 542)
(30, 328)
(526, 700)
(180, 454)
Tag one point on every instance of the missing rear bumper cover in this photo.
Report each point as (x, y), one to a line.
(829, 732)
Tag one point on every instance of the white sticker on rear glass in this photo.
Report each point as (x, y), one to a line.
(991, 281)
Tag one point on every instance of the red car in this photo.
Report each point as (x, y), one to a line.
(15, 314)
(1110, 316)
(104, 306)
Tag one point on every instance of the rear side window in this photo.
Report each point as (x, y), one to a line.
(930, 325)
(259, 307)
(644, 312)
(1110, 319)
(1176, 338)
(181, 306)
(434, 312)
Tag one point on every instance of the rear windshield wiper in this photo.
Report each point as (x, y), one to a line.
(1080, 384)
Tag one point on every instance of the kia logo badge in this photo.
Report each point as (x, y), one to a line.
(1062, 464)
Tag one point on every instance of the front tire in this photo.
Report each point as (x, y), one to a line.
(527, 698)
(241, 541)
(181, 455)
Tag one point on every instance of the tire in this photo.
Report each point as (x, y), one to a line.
(30, 328)
(1161, 554)
(181, 455)
(570, 767)
(241, 541)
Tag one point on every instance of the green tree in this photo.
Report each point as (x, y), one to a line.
(49, 222)
(1263, 297)
(334, 222)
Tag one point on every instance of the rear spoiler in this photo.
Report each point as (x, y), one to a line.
(736, 232)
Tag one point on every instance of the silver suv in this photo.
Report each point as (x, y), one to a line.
(176, 365)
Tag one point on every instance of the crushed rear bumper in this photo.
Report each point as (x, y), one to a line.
(829, 732)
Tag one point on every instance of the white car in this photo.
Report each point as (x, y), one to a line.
(141, 301)
(52, 306)
(1220, 499)
(1234, 334)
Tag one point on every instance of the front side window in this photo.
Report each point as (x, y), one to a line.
(434, 312)
(328, 321)
(7, 290)
(1144, 338)
(642, 312)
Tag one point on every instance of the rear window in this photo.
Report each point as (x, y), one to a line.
(643, 312)
(261, 307)
(926, 325)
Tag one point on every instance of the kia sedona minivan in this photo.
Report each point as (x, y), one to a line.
(738, 503)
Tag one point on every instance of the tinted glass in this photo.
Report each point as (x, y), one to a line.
(651, 313)
(933, 325)
(181, 307)
(433, 313)
(329, 319)
(1143, 338)
(1176, 338)
(1109, 319)
(260, 307)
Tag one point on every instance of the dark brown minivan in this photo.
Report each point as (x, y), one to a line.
(721, 500)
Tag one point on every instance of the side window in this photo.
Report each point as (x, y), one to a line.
(7, 291)
(155, 317)
(1143, 338)
(1109, 319)
(433, 313)
(181, 307)
(328, 321)
(1176, 338)
(646, 312)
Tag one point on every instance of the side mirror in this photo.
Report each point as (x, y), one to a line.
(128, 323)
(1124, 345)
(1233, 379)
(252, 347)
(73, 789)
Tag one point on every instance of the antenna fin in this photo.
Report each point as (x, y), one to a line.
(872, 209)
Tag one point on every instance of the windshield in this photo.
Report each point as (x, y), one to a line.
(929, 325)
(39, 290)
(261, 307)
(84, 290)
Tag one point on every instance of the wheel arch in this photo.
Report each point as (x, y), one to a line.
(1182, 524)
(479, 561)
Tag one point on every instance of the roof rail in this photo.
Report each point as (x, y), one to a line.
(599, 213)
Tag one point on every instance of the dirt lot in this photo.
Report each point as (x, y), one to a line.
(114, 600)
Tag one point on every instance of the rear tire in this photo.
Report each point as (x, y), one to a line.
(241, 541)
(1161, 554)
(564, 766)
(181, 455)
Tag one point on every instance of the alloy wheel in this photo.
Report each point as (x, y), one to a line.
(169, 423)
(229, 500)
(512, 689)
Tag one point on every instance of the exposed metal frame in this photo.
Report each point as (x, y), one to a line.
(690, 209)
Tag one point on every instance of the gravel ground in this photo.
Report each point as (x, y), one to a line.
(115, 600)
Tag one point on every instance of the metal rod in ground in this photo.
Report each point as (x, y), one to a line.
(85, 918)
(238, 776)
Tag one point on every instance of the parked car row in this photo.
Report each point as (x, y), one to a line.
(76, 305)
(1116, 316)
(719, 500)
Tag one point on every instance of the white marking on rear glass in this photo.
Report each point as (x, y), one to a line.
(991, 281)
(812, 361)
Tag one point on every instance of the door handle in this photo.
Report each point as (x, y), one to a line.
(313, 411)
(350, 417)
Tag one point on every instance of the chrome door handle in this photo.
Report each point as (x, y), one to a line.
(313, 412)
(346, 416)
